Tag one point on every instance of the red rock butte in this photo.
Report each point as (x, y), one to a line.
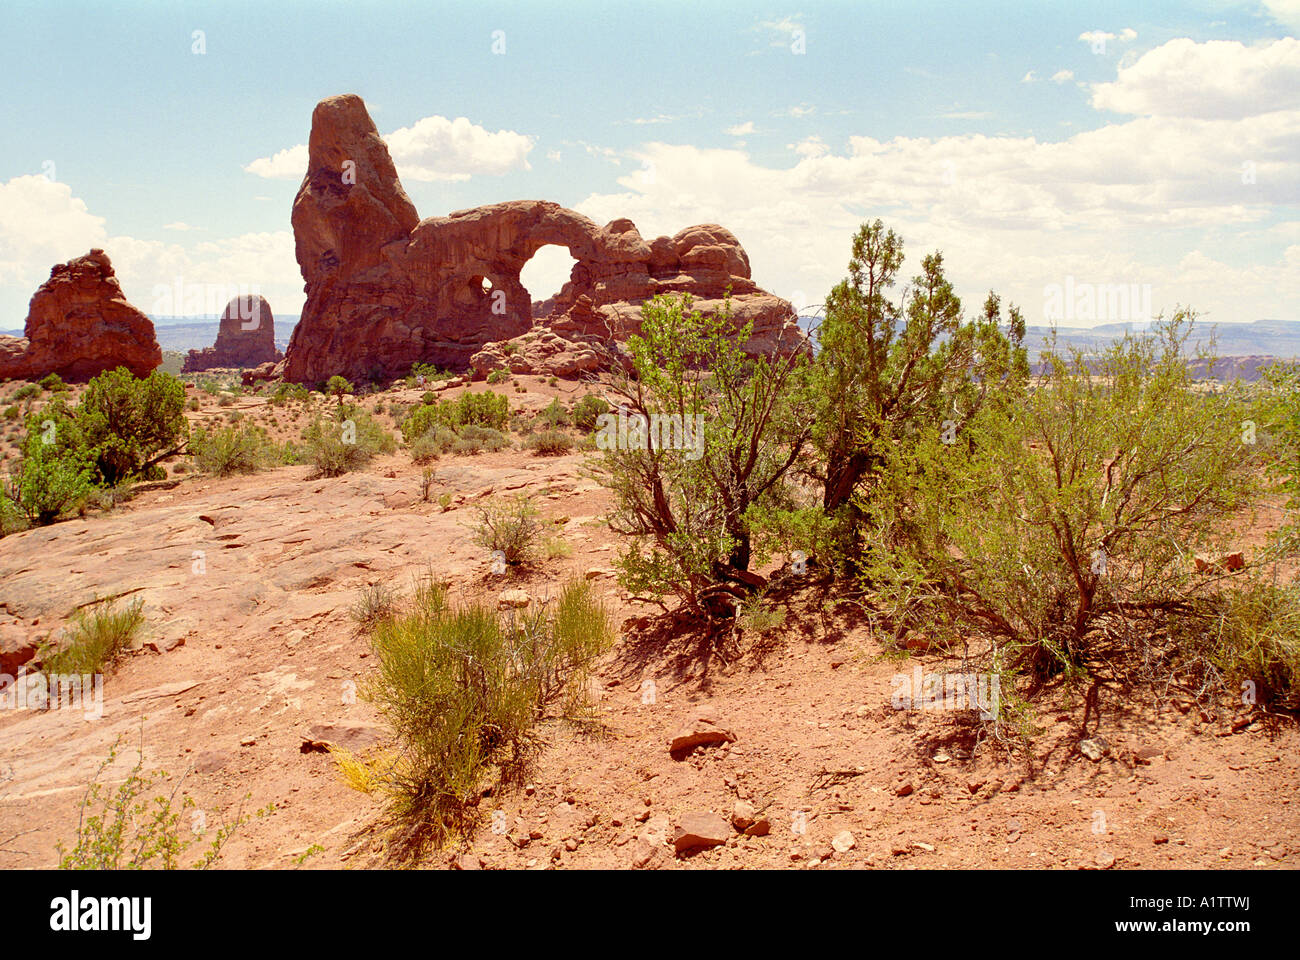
(80, 324)
(245, 338)
(386, 289)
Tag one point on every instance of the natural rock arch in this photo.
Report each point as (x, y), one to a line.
(385, 289)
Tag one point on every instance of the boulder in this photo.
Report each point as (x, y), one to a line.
(79, 324)
(245, 338)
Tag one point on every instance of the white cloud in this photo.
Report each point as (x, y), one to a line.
(741, 129)
(1029, 77)
(431, 149)
(180, 226)
(43, 224)
(1220, 79)
(811, 147)
(1125, 202)
(1285, 12)
(436, 148)
(1062, 76)
(288, 164)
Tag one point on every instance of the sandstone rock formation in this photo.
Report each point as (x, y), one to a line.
(386, 289)
(246, 338)
(79, 324)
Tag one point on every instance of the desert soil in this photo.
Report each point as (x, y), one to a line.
(250, 650)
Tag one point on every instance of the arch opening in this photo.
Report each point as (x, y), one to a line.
(545, 274)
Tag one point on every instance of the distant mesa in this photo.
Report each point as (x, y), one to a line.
(80, 324)
(386, 289)
(246, 338)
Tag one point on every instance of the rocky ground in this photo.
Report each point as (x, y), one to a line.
(250, 659)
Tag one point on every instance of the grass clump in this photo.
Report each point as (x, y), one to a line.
(463, 688)
(95, 640)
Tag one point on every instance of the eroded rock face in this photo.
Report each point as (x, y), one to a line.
(80, 324)
(246, 338)
(385, 290)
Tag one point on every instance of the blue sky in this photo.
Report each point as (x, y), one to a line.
(1034, 143)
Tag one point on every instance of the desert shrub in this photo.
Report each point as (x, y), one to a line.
(1065, 522)
(13, 518)
(130, 424)
(885, 370)
(485, 438)
(432, 443)
(11, 412)
(463, 689)
(57, 473)
(26, 392)
(554, 415)
(507, 527)
(1252, 636)
(226, 400)
(53, 383)
(138, 827)
(375, 602)
(338, 387)
(232, 450)
(193, 403)
(730, 428)
(428, 398)
(470, 409)
(587, 410)
(337, 445)
(498, 376)
(95, 639)
(549, 443)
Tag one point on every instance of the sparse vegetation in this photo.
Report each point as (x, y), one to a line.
(97, 636)
(509, 527)
(463, 689)
(350, 441)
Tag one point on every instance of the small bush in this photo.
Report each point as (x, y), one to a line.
(53, 382)
(586, 410)
(463, 689)
(375, 603)
(26, 392)
(498, 376)
(482, 409)
(231, 450)
(554, 415)
(339, 445)
(226, 400)
(11, 412)
(94, 640)
(508, 527)
(136, 826)
(549, 443)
